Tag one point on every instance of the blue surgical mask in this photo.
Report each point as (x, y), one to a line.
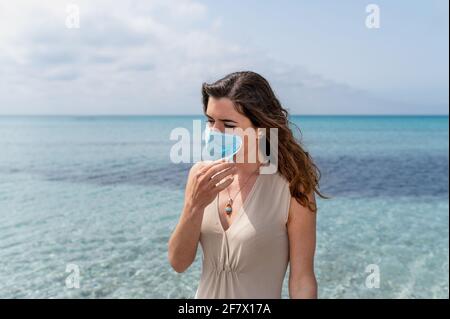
(220, 145)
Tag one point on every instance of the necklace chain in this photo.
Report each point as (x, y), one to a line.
(230, 200)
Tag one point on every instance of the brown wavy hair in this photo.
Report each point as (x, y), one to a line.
(253, 97)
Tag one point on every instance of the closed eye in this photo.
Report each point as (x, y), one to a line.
(227, 125)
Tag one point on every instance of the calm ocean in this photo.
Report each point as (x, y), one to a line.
(101, 193)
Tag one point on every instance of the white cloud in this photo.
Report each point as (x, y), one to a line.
(136, 50)
(133, 57)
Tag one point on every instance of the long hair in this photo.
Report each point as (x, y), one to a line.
(253, 97)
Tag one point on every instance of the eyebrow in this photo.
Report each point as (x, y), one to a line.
(223, 120)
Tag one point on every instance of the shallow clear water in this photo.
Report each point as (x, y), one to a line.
(101, 193)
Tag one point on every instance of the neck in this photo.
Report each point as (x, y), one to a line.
(246, 169)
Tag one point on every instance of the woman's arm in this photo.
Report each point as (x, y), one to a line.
(184, 240)
(201, 189)
(302, 244)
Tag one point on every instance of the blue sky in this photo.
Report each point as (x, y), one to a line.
(150, 57)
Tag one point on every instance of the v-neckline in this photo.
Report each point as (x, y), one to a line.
(241, 209)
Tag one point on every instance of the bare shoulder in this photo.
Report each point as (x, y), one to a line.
(298, 212)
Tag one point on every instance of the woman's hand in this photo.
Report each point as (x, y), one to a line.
(205, 181)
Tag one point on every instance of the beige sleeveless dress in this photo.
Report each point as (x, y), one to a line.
(250, 258)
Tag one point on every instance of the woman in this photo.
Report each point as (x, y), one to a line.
(250, 225)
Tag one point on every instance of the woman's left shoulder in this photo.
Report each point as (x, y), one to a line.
(278, 185)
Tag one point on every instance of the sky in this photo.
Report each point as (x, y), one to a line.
(151, 57)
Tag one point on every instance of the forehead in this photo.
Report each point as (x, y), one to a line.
(219, 107)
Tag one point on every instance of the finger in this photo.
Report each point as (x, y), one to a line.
(218, 177)
(217, 168)
(208, 164)
(213, 172)
(203, 169)
(205, 166)
(220, 187)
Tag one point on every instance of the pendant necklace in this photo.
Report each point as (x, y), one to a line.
(229, 205)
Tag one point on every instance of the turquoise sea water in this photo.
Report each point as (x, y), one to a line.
(101, 193)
